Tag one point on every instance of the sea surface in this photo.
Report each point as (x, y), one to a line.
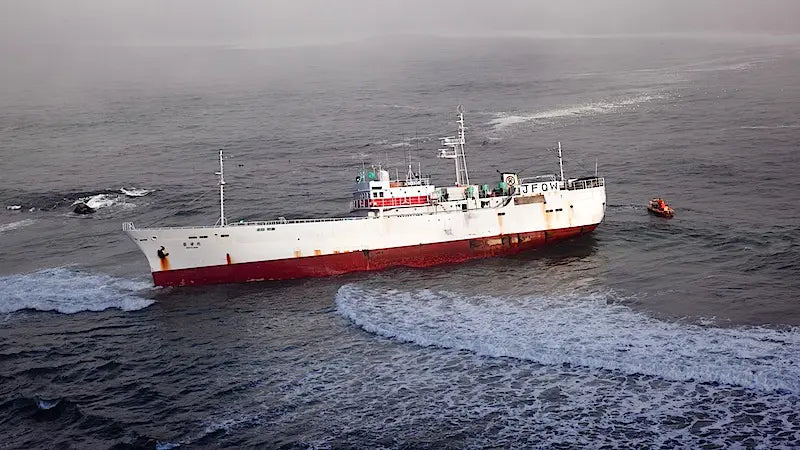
(647, 333)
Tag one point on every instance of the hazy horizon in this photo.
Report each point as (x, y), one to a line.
(311, 22)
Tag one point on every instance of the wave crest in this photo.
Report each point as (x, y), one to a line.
(69, 291)
(503, 120)
(589, 331)
(14, 225)
(103, 201)
(134, 192)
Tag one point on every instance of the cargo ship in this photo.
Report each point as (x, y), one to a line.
(393, 221)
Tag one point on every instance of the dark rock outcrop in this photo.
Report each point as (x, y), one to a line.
(82, 208)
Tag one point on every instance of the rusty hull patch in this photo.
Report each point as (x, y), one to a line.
(538, 198)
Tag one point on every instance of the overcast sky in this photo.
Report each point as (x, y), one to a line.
(288, 22)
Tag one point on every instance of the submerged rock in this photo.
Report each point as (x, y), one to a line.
(82, 208)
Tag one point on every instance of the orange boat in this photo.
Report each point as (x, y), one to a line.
(658, 207)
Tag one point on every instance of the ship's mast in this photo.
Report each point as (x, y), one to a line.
(454, 149)
(222, 222)
(560, 162)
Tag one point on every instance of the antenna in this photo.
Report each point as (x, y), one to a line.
(222, 222)
(454, 149)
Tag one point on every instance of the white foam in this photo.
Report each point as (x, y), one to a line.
(503, 120)
(769, 127)
(103, 201)
(134, 192)
(47, 404)
(580, 331)
(14, 207)
(97, 201)
(14, 225)
(69, 291)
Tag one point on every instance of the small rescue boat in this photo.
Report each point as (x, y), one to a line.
(658, 207)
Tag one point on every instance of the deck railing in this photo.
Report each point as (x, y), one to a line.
(129, 226)
(586, 184)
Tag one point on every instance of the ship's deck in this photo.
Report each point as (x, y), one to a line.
(580, 183)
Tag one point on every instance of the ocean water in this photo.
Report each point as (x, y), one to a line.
(647, 333)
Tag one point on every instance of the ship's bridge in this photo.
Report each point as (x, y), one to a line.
(374, 189)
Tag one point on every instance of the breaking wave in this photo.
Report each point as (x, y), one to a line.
(70, 291)
(134, 192)
(104, 200)
(50, 201)
(588, 331)
(14, 225)
(503, 120)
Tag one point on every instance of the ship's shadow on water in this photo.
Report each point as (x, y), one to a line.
(569, 250)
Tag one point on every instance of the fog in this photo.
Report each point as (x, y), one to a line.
(299, 22)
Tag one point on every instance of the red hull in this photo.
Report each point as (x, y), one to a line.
(327, 265)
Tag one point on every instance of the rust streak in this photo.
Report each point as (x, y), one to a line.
(228, 258)
(164, 263)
